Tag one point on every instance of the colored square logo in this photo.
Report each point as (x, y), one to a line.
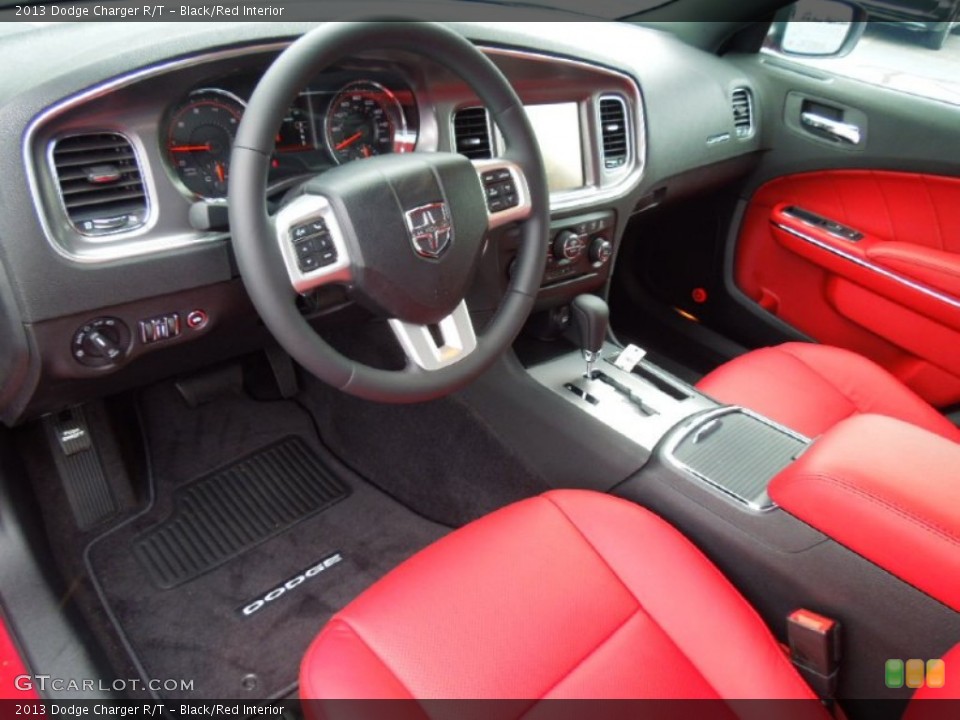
(915, 673)
(893, 673)
(936, 674)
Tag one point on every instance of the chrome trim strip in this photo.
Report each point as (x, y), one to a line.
(688, 429)
(920, 288)
(141, 247)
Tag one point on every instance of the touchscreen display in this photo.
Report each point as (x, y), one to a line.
(558, 131)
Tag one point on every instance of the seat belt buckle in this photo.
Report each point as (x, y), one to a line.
(814, 641)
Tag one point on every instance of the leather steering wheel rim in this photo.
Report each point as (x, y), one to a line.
(258, 254)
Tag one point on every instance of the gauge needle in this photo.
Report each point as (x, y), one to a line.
(190, 148)
(349, 141)
(221, 175)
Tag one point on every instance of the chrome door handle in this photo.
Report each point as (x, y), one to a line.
(836, 129)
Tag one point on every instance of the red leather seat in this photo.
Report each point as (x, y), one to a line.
(810, 388)
(572, 594)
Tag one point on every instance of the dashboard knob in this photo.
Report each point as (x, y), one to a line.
(568, 246)
(101, 343)
(600, 251)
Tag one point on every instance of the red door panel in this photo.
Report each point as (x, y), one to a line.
(894, 296)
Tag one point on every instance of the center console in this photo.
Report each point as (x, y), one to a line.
(793, 523)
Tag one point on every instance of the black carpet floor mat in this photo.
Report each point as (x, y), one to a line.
(233, 612)
(232, 510)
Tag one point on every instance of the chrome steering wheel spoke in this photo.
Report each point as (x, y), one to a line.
(457, 340)
(312, 243)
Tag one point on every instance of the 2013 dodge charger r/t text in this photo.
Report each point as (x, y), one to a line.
(595, 353)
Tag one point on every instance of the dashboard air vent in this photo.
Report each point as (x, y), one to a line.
(100, 183)
(613, 129)
(471, 131)
(742, 101)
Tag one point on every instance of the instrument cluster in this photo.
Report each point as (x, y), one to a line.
(337, 120)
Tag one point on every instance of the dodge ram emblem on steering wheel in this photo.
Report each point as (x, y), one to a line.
(430, 229)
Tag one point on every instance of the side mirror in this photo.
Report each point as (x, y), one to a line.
(817, 28)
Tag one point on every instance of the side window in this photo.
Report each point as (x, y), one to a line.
(911, 46)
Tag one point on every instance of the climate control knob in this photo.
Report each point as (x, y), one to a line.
(600, 251)
(568, 246)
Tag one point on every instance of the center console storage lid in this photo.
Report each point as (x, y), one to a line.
(889, 491)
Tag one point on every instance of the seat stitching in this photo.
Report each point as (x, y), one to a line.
(581, 661)
(592, 547)
(894, 507)
(373, 652)
(750, 609)
(822, 376)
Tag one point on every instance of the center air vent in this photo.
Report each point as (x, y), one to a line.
(613, 130)
(100, 183)
(471, 131)
(742, 100)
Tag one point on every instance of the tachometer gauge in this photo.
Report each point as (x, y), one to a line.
(364, 119)
(199, 139)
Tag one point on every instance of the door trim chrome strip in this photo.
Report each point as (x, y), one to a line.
(867, 265)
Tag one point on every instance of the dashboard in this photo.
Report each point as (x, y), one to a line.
(117, 269)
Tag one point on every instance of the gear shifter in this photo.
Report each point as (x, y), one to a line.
(591, 317)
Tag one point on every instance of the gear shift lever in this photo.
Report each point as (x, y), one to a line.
(591, 317)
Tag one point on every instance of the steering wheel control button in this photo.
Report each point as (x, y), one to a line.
(308, 263)
(495, 176)
(102, 342)
(160, 328)
(500, 190)
(313, 245)
(196, 319)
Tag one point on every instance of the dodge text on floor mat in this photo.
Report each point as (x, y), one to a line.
(294, 582)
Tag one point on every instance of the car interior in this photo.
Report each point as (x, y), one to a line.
(602, 357)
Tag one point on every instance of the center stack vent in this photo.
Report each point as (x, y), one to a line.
(471, 132)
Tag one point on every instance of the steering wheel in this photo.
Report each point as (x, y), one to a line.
(404, 232)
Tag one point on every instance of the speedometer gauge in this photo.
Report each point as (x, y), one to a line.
(199, 139)
(364, 119)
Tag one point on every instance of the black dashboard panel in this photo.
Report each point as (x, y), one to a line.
(677, 103)
(179, 120)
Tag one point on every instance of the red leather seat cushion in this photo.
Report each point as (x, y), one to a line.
(572, 594)
(810, 388)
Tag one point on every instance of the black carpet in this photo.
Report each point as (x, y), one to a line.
(439, 458)
(229, 629)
